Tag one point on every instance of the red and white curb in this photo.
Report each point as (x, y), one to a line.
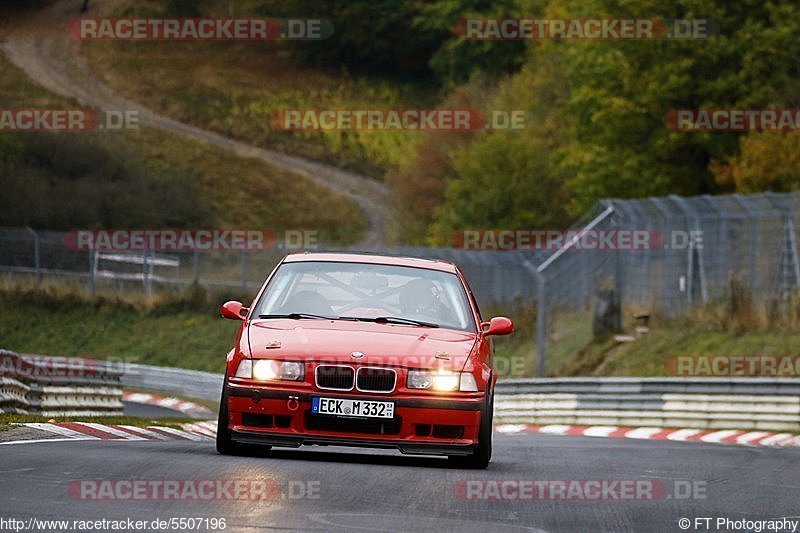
(199, 431)
(207, 430)
(727, 436)
(186, 407)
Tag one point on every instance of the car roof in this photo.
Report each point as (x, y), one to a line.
(375, 259)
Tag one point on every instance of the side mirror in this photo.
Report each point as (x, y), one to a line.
(233, 310)
(499, 325)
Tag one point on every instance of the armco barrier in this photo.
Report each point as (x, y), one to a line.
(178, 381)
(58, 386)
(703, 403)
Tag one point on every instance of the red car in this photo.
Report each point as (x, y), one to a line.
(361, 350)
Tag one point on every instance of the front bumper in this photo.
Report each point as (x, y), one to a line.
(421, 424)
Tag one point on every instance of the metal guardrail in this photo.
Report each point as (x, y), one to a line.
(58, 386)
(182, 382)
(701, 403)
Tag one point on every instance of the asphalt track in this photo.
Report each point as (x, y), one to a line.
(360, 490)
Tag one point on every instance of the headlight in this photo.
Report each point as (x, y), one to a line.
(445, 382)
(269, 370)
(419, 379)
(468, 383)
(245, 369)
(441, 381)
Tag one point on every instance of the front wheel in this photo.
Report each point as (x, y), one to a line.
(479, 459)
(225, 445)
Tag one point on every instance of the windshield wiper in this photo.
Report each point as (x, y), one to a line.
(298, 316)
(393, 320)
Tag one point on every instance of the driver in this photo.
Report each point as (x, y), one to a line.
(419, 297)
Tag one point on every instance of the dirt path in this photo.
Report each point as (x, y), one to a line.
(41, 47)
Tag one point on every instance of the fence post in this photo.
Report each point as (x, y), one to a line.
(196, 267)
(541, 326)
(36, 255)
(541, 320)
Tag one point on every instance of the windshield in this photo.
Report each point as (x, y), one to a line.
(360, 291)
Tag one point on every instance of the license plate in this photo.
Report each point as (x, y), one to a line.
(351, 408)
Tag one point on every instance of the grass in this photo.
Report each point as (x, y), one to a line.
(247, 193)
(175, 331)
(236, 191)
(515, 356)
(648, 355)
(233, 88)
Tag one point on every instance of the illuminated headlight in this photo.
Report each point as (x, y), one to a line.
(269, 370)
(445, 381)
(441, 381)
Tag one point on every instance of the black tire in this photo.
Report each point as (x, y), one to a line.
(479, 459)
(225, 445)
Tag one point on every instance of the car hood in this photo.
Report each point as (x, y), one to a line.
(381, 344)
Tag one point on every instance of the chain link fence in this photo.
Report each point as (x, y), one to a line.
(680, 253)
(497, 278)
